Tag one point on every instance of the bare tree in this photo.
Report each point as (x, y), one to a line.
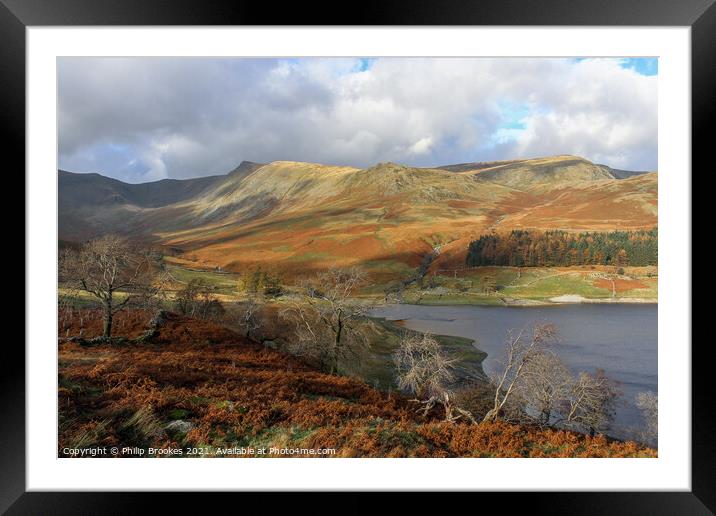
(197, 299)
(545, 382)
(311, 338)
(522, 348)
(250, 315)
(67, 294)
(325, 317)
(186, 298)
(590, 402)
(536, 386)
(648, 404)
(111, 269)
(154, 296)
(425, 370)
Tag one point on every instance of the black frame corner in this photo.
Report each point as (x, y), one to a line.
(17, 15)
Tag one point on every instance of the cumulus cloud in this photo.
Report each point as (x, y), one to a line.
(140, 119)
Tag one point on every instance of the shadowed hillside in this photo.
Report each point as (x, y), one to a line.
(91, 204)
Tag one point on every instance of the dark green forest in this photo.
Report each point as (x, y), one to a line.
(521, 248)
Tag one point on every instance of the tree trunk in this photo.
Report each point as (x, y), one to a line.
(491, 415)
(107, 320)
(337, 347)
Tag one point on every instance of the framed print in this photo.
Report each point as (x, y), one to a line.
(410, 251)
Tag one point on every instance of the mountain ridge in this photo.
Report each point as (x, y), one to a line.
(247, 167)
(297, 216)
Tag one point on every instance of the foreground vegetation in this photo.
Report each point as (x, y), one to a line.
(195, 384)
(320, 325)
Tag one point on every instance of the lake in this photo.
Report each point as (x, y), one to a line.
(619, 338)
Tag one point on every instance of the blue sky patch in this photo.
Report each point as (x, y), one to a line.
(512, 115)
(365, 63)
(642, 65)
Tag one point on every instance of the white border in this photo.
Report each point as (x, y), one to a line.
(670, 471)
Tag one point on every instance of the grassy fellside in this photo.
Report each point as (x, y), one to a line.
(378, 369)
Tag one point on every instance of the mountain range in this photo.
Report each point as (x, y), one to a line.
(298, 217)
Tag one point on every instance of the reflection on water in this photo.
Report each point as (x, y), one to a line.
(619, 338)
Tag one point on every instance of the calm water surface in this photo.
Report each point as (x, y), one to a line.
(619, 338)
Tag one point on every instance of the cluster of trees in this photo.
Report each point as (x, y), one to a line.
(521, 248)
(261, 282)
(532, 386)
(535, 385)
(122, 274)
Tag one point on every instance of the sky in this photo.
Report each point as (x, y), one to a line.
(144, 119)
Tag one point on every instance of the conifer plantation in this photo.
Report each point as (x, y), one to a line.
(521, 248)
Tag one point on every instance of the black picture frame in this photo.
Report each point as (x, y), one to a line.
(17, 15)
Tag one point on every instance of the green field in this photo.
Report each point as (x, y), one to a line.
(507, 284)
(223, 282)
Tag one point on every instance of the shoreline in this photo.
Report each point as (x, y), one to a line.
(576, 299)
(433, 320)
(565, 299)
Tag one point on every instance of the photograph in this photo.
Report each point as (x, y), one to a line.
(357, 257)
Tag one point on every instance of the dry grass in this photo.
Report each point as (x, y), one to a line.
(236, 393)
